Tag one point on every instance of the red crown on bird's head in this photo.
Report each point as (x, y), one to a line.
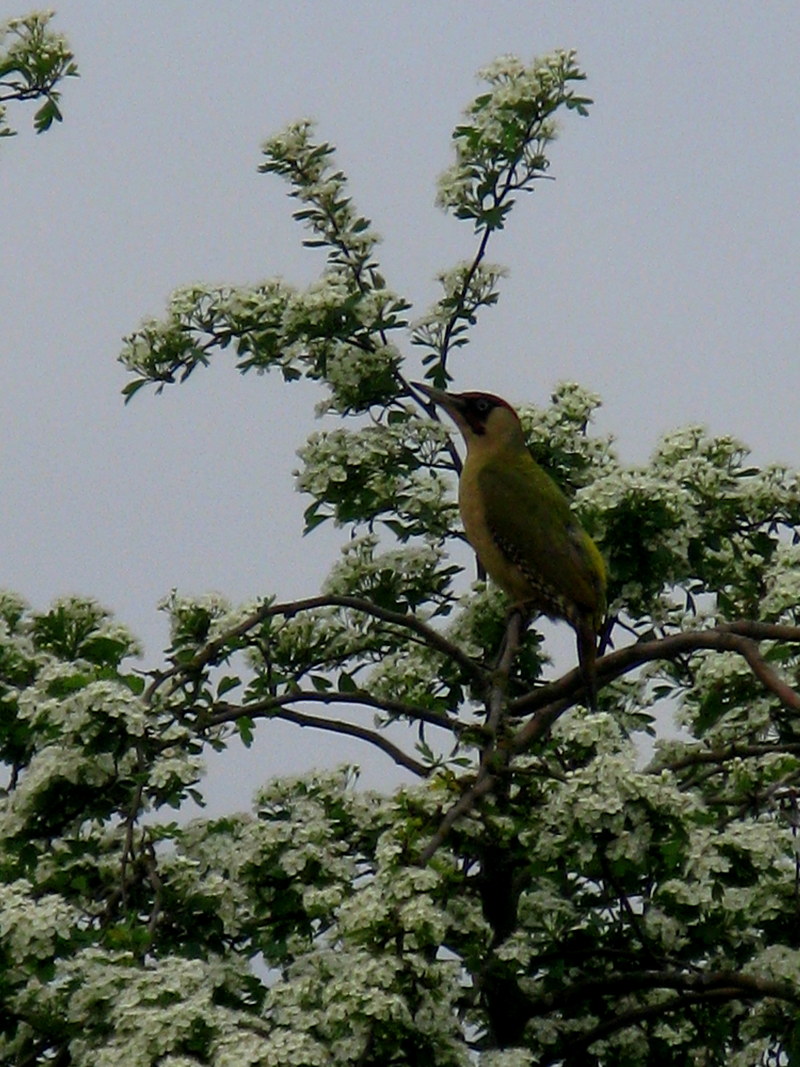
(475, 407)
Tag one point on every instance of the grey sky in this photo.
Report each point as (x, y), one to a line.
(660, 269)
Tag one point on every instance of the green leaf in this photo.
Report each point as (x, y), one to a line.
(133, 387)
(134, 682)
(47, 114)
(245, 729)
(346, 683)
(226, 684)
(314, 516)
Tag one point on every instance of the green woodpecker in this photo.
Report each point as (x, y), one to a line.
(520, 524)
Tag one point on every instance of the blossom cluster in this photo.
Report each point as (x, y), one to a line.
(34, 58)
(379, 471)
(500, 145)
(333, 331)
(329, 213)
(402, 578)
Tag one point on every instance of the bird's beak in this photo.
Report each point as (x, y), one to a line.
(448, 401)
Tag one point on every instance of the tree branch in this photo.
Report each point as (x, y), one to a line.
(511, 641)
(623, 983)
(766, 675)
(723, 755)
(212, 650)
(694, 989)
(726, 637)
(458, 309)
(484, 783)
(263, 708)
(335, 726)
(431, 410)
(544, 704)
(495, 758)
(552, 700)
(633, 1016)
(498, 197)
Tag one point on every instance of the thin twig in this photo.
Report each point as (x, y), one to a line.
(151, 866)
(497, 197)
(212, 650)
(134, 810)
(484, 784)
(724, 755)
(263, 708)
(432, 411)
(352, 730)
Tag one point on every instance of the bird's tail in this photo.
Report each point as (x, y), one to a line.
(587, 656)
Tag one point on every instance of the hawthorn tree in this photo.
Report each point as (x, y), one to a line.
(541, 895)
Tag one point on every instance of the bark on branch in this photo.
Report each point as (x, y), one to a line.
(219, 647)
(693, 989)
(545, 704)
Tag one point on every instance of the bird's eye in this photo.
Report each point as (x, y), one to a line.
(482, 405)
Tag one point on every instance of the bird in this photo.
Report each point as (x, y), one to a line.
(520, 524)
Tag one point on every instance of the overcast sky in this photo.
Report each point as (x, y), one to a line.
(660, 269)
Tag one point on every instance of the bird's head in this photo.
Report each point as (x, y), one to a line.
(483, 418)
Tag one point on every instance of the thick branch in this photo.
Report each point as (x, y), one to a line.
(494, 758)
(762, 631)
(767, 676)
(496, 703)
(624, 983)
(695, 989)
(552, 700)
(727, 637)
(634, 1016)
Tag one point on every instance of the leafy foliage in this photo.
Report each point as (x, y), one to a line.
(33, 60)
(542, 892)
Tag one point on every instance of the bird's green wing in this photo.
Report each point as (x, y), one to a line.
(531, 521)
